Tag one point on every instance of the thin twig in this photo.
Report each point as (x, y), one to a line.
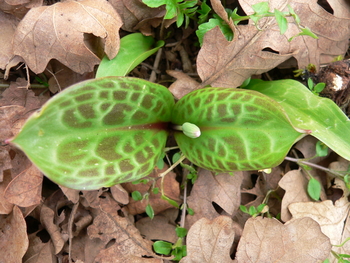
(327, 170)
(153, 76)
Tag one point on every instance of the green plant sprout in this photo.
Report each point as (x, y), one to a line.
(178, 250)
(254, 211)
(182, 10)
(341, 258)
(261, 10)
(316, 89)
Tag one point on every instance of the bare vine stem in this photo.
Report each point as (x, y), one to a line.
(319, 167)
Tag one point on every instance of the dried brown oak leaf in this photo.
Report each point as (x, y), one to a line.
(210, 241)
(294, 183)
(58, 31)
(331, 217)
(25, 189)
(266, 240)
(211, 191)
(8, 26)
(13, 238)
(120, 236)
(252, 51)
(138, 16)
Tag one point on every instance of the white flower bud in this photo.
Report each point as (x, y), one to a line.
(191, 130)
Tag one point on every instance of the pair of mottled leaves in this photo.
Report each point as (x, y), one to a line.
(111, 130)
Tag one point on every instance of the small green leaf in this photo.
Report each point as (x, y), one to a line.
(261, 8)
(252, 210)
(319, 87)
(170, 201)
(134, 48)
(136, 195)
(150, 211)
(190, 211)
(310, 83)
(176, 157)
(281, 21)
(307, 32)
(295, 16)
(155, 190)
(180, 231)
(213, 22)
(314, 189)
(160, 163)
(321, 149)
(179, 253)
(260, 208)
(243, 209)
(204, 12)
(162, 247)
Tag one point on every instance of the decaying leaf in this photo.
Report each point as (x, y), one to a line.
(266, 240)
(25, 189)
(5, 206)
(138, 16)
(57, 32)
(210, 241)
(8, 27)
(161, 227)
(252, 51)
(331, 217)
(126, 241)
(222, 190)
(13, 238)
(295, 184)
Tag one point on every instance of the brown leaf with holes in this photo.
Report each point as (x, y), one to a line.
(295, 184)
(13, 238)
(266, 240)
(59, 32)
(120, 236)
(213, 193)
(252, 51)
(210, 241)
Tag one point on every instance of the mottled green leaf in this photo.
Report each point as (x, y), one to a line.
(99, 133)
(307, 111)
(240, 129)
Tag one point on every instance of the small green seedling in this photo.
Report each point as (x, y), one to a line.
(254, 211)
(316, 89)
(341, 258)
(178, 250)
(183, 10)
